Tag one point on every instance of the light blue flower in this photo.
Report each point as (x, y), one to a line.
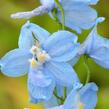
(97, 47)
(80, 99)
(53, 102)
(78, 13)
(45, 57)
(84, 98)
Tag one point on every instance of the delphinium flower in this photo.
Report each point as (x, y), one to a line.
(44, 57)
(83, 98)
(54, 101)
(78, 13)
(96, 47)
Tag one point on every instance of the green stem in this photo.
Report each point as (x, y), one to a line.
(87, 67)
(65, 93)
(54, 12)
(62, 12)
(59, 98)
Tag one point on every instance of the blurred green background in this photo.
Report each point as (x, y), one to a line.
(13, 91)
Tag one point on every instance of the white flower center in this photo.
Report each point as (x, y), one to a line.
(39, 56)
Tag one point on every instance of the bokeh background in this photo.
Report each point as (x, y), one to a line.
(13, 91)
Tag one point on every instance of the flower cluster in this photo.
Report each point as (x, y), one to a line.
(48, 58)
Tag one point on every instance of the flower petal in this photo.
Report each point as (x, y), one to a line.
(62, 46)
(15, 63)
(59, 90)
(66, 53)
(63, 73)
(26, 39)
(33, 100)
(48, 3)
(35, 12)
(84, 96)
(86, 2)
(86, 47)
(58, 107)
(74, 60)
(89, 93)
(51, 103)
(71, 101)
(40, 84)
(78, 16)
(39, 33)
(100, 50)
(97, 47)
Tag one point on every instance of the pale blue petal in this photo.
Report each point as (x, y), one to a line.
(86, 2)
(84, 95)
(34, 101)
(66, 53)
(100, 50)
(58, 107)
(35, 12)
(60, 36)
(62, 46)
(86, 47)
(73, 61)
(63, 73)
(89, 93)
(60, 90)
(51, 103)
(38, 32)
(15, 63)
(26, 39)
(71, 100)
(78, 16)
(90, 2)
(77, 85)
(40, 85)
(97, 47)
(48, 3)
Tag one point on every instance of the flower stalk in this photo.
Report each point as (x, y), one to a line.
(62, 12)
(87, 68)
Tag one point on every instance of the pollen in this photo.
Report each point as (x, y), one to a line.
(80, 106)
(33, 62)
(42, 57)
